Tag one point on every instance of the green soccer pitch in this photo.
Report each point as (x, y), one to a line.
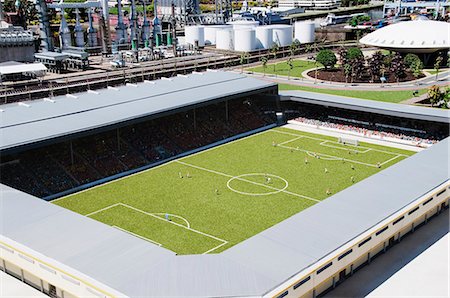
(212, 200)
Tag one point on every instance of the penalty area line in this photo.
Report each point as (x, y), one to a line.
(319, 139)
(103, 209)
(214, 248)
(330, 156)
(224, 242)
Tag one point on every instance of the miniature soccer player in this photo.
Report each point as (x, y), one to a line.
(328, 192)
(352, 179)
(188, 175)
(167, 217)
(306, 160)
(326, 170)
(378, 164)
(352, 166)
(217, 191)
(180, 175)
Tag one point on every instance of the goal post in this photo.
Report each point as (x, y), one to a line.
(348, 141)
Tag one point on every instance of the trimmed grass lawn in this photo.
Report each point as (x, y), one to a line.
(282, 68)
(212, 200)
(386, 96)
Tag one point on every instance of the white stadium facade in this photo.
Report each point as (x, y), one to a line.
(69, 255)
(419, 36)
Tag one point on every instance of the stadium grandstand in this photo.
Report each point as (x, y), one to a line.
(56, 145)
(423, 126)
(62, 145)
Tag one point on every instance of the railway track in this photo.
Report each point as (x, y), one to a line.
(152, 70)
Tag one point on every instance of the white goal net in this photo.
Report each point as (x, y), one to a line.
(347, 141)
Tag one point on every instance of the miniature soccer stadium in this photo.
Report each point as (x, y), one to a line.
(211, 200)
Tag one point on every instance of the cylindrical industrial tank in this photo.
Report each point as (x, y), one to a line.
(304, 32)
(264, 37)
(282, 35)
(225, 39)
(195, 33)
(243, 24)
(210, 33)
(244, 40)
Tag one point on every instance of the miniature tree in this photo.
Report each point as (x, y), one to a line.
(274, 51)
(375, 63)
(397, 67)
(437, 65)
(434, 95)
(290, 67)
(327, 58)
(264, 61)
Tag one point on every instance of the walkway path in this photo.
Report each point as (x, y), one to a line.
(443, 80)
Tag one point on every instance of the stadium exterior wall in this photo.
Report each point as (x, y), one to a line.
(42, 273)
(39, 271)
(362, 249)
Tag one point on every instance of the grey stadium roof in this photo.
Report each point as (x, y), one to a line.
(41, 120)
(372, 106)
(250, 268)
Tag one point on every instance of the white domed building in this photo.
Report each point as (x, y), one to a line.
(419, 37)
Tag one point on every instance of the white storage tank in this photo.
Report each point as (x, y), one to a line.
(225, 39)
(264, 37)
(244, 40)
(210, 33)
(282, 35)
(304, 32)
(243, 24)
(195, 33)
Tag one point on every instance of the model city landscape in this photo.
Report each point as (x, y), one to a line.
(221, 149)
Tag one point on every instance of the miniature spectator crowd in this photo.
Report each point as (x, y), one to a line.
(367, 132)
(63, 166)
(371, 125)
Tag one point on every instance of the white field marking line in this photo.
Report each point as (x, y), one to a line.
(318, 139)
(214, 248)
(324, 143)
(163, 164)
(139, 236)
(323, 158)
(177, 216)
(155, 214)
(288, 141)
(103, 209)
(174, 223)
(249, 181)
(383, 163)
(157, 217)
(286, 184)
(330, 156)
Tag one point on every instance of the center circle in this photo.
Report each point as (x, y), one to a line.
(244, 177)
